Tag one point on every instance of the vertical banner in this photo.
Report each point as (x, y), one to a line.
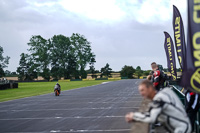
(179, 36)
(191, 76)
(171, 62)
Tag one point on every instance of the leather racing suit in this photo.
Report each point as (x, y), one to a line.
(167, 109)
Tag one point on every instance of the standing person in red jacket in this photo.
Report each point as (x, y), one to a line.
(157, 77)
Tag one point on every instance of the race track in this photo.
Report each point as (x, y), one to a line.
(94, 109)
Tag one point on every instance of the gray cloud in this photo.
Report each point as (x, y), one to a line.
(119, 43)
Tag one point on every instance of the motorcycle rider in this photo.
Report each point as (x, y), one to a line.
(165, 108)
(57, 87)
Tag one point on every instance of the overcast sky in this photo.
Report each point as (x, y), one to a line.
(121, 32)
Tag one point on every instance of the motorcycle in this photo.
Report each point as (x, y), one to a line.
(57, 92)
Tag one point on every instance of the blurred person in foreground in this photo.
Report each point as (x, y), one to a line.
(165, 108)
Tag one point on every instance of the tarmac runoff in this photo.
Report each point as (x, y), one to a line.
(99, 108)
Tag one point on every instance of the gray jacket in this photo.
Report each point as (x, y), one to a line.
(168, 110)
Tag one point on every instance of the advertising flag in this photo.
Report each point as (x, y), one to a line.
(191, 75)
(179, 36)
(171, 62)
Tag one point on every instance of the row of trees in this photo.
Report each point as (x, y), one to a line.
(128, 71)
(59, 56)
(52, 58)
(4, 61)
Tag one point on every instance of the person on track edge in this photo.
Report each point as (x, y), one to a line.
(165, 108)
(157, 77)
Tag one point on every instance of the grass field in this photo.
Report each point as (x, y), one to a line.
(39, 88)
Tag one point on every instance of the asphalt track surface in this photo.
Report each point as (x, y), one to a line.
(94, 109)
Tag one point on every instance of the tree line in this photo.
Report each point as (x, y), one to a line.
(61, 56)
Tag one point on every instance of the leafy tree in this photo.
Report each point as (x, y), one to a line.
(127, 71)
(72, 67)
(138, 72)
(40, 51)
(146, 73)
(106, 71)
(2, 72)
(97, 71)
(62, 56)
(10, 74)
(56, 72)
(26, 69)
(14, 74)
(92, 68)
(7, 73)
(4, 61)
(82, 52)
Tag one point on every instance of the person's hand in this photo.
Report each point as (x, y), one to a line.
(129, 117)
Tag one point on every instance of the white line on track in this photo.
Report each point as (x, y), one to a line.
(73, 109)
(75, 131)
(104, 82)
(77, 103)
(75, 117)
(47, 99)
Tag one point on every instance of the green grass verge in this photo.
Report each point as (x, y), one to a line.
(39, 88)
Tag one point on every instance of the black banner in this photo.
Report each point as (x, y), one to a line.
(191, 76)
(171, 62)
(179, 36)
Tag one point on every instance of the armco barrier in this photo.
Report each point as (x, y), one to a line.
(32, 81)
(177, 89)
(114, 78)
(124, 77)
(66, 80)
(101, 79)
(8, 86)
(75, 79)
(54, 80)
(88, 79)
(4, 86)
